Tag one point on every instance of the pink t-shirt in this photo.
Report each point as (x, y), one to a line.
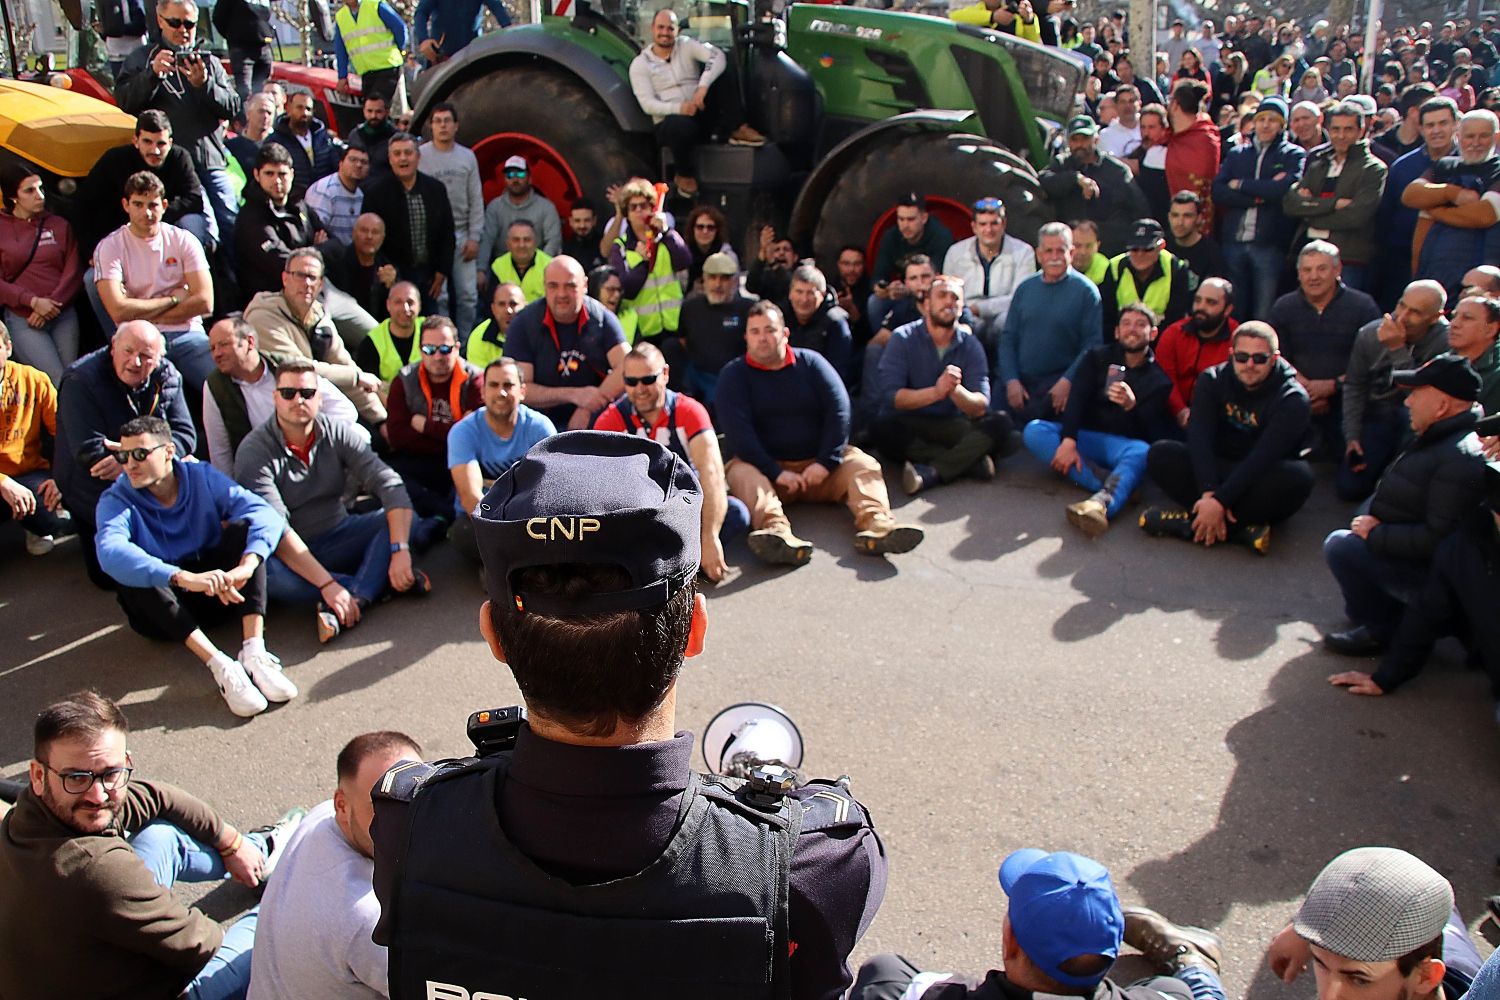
(151, 268)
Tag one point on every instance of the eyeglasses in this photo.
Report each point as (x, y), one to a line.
(1246, 358)
(291, 392)
(634, 380)
(139, 454)
(443, 349)
(79, 782)
(989, 205)
(705, 226)
(515, 173)
(179, 22)
(306, 275)
(636, 206)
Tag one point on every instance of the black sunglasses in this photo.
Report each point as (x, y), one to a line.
(642, 379)
(443, 349)
(290, 392)
(179, 22)
(139, 454)
(1245, 357)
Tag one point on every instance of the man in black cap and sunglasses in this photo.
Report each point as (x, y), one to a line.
(427, 398)
(591, 851)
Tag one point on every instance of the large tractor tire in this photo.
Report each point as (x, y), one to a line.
(952, 167)
(557, 122)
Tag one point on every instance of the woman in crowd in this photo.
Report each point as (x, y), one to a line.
(707, 234)
(40, 275)
(1190, 67)
(604, 285)
(1275, 78)
(1310, 88)
(1457, 87)
(1233, 81)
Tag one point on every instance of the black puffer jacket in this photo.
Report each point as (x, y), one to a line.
(1431, 486)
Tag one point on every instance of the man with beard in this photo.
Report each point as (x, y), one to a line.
(520, 201)
(680, 424)
(581, 240)
(1117, 407)
(488, 441)
(1088, 183)
(1396, 224)
(712, 325)
(1148, 161)
(272, 224)
(373, 135)
(935, 397)
(427, 399)
(152, 149)
(1339, 192)
(1196, 343)
(1238, 473)
(1412, 334)
(991, 263)
(1461, 196)
(314, 149)
(853, 289)
(88, 858)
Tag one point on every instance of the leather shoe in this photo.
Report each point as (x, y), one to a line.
(1357, 641)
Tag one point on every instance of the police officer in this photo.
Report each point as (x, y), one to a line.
(591, 853)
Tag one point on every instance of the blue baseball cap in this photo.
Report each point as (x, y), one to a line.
(1062, 905)
(596, 498)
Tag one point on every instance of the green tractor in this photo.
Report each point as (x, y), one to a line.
(859, 106)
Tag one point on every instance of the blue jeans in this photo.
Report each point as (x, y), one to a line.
(1376, 588)
(1119, 456)
(51, 347)
(106, 322)
(736, 520)
(190, 355)
(201, 225)
(1254, 270)
(1381, 439)
(705, 383)
(43, 522)
(357, 553)
(223, 205)
(1203, 982)
(171, 856)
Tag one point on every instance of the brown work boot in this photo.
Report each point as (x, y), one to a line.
(1090, 516)
(888, 537)
(1171, 946)
(746, 136)
(779, 547)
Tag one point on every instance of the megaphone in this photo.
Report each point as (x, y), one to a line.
(748, 733)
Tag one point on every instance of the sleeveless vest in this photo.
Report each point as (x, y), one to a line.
(626, 409)
(416, 400)
(391, 363)
(231, 400)
(369, 43)
(708, 918)
(481, 350)
(532, 286)
(1157, 295)
(659, 302)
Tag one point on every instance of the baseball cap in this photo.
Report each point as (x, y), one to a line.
(596, 498)
(1274, 103)
(1062, 906)
(1450, 373)
(1375, 904)
(516, 163)
(1145, 234)
(720, 263)
(1082, 125)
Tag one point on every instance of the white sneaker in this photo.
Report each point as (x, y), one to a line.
(265, 670)
(277, 836)
(234, 684)
(38, 545)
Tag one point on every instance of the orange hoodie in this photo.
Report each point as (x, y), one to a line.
(28, 403)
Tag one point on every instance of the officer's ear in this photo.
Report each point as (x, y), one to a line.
(487, 629)
(698, 627)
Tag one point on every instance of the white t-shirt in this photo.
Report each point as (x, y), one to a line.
(152, 268)
(1117, 140)
(313, 935)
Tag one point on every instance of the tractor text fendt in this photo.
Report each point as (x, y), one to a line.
(859, 106)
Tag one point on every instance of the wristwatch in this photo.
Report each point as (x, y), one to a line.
(399, 547)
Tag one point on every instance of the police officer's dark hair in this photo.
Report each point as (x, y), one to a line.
(366, 745)
(273, 152)
(146, 425)
(597, 277)
(592, 673)
(1188, 198)
(144, 182)
(153, 121)
(444, 106)
(81, 715)
(507, 362)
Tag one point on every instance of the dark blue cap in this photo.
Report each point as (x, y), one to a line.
(596, 498)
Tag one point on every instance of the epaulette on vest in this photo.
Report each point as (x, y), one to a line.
(402, 782)
(828, 805)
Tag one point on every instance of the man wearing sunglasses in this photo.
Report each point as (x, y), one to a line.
(427, 398)
(88, 858)
(520, 201)
(1239, 471)
(188, 544)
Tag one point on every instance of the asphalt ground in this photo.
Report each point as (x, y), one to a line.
(1009, 684)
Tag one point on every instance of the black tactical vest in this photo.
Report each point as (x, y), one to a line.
(473, 917)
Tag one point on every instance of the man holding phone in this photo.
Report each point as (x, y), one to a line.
(1117, 407)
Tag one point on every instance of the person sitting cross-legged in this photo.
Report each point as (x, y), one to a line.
(187, 544)
(1240, 470)
(935, 396)
(1118, 406)
(28, 421)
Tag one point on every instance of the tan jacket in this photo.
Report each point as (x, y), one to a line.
(314, 337)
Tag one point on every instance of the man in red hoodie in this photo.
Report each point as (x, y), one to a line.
(1196, 343)
(1193, 148)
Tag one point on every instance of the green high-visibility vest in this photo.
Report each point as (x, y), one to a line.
(385, 346)
(1156, 295)
(482, 353)
(1098, 267)
(504, 270)
(367, 40)
(630, 322)
(659, 303)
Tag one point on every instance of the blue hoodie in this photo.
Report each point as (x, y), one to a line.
(140, 541)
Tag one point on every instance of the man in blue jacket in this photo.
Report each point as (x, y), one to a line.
(1396, 224)
(1251, 183)
(186, 543)
(315, 151)
(446, 26)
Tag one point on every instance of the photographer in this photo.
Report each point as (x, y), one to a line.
(592, 853)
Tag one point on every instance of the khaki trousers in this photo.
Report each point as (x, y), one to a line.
(856, 482)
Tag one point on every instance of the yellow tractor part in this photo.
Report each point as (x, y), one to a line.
(57, 129)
